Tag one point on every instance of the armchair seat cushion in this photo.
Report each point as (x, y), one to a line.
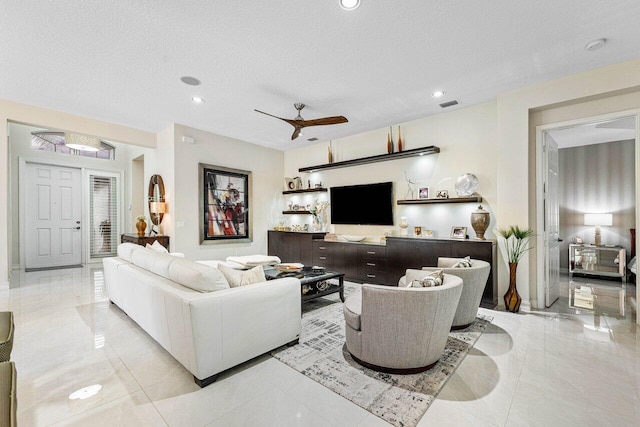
(352, 310)
(6, 335)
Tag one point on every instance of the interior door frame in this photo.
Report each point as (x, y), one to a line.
(540, 173)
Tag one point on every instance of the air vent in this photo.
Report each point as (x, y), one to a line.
(449, 104)
(312, 139)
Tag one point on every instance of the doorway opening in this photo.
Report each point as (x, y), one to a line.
(587, 216)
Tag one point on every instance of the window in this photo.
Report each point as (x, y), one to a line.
(103, 216)
(55, 141)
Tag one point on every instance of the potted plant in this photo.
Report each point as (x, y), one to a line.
(516, 244)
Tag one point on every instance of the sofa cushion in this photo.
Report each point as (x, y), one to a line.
(125, 250)
(242, 277)
(352, 309)
(198, 277)
(143, 257)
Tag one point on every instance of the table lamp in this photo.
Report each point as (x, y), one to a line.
(156, 209)
(598, 220)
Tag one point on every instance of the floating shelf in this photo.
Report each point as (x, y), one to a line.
(374, 159)
(435, 201)
(307, 190)
(296, 212)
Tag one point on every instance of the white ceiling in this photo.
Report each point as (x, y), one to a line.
(121, 60)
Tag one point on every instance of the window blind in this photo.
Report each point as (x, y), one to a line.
(103, 216)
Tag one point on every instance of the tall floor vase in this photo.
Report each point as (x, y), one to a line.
(511, 299)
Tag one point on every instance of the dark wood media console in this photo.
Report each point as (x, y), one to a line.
(380, 264)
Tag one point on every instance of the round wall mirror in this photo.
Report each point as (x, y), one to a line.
(157, 206)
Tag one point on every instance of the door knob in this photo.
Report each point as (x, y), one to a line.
(77, 228)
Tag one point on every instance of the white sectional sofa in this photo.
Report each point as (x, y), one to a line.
(189, 309)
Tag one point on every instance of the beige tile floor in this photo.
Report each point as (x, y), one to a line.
(561, 367)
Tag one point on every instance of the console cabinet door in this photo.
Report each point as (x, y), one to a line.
(292, 246)
(403, 254)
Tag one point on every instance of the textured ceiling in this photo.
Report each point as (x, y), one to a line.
(121, 60)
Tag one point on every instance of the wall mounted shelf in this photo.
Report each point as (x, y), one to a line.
(373, 159)
(436, 201)
(296, 212)
(306, 190)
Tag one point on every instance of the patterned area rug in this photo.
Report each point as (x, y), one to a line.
(398, 399)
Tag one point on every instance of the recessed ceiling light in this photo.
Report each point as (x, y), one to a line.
(191, 81)
(197, 100)
(595, 44)
(438, 94)
(349, 4)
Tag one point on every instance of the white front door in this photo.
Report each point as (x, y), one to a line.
(551, 222)
(52, 216)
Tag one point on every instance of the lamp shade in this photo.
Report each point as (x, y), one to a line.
(157, 207)
(82, 142)
(598, 219)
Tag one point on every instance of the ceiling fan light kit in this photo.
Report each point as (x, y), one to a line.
(82, 142)
(298, 123)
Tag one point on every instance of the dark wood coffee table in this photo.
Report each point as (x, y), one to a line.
(312, 285)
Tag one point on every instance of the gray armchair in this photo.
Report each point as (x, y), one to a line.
(400, 330)
(474, 280)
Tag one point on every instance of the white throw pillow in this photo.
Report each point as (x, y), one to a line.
(434, 279)
(157, 247)
(242, 277)
(253, 260)
(196, 276)
(463, 263)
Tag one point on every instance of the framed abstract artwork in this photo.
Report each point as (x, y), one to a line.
(224, 204)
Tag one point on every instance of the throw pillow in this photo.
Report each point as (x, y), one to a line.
(157, 247)
(434, 279)
(242, 277)
(463, 263)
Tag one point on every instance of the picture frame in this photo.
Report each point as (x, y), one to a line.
(442, 194)
(428, 233)
(417, 231)
(423, 193)
(225, 215)
(459, 233)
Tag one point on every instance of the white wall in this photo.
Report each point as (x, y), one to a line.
(597, 178)
(467, 141)
(266, 166)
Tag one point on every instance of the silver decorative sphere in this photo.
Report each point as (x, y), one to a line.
(466, 184)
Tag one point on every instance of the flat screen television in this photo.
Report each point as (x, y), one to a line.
(367, 204)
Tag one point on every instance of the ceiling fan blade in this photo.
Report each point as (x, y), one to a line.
(291, 122)
(334, 120)
(296, 133)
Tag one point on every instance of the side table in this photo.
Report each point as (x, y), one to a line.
(142, 241)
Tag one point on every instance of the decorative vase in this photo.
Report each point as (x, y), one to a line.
(389, 144)
(399, 140)
(329, 154)
(511, 299)
(142, 227)
(480, 222)
(403, 226)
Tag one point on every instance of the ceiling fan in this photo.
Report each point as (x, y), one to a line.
(298, 123)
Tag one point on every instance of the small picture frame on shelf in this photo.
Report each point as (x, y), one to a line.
(442, 194)
(428, 233)
(417, 231)
(289, 184)
(459, 233)
(423, 193)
